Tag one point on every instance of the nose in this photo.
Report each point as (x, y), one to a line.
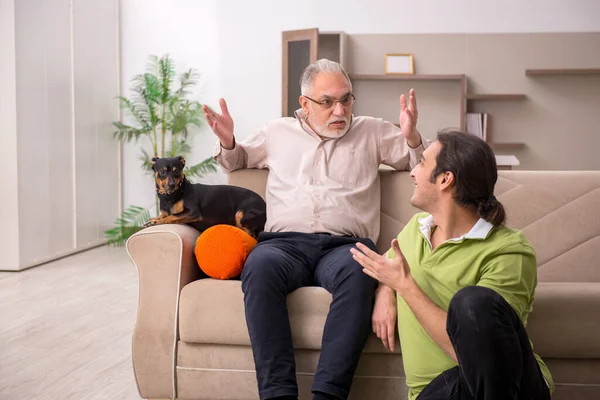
(412, 172)
(338, 109)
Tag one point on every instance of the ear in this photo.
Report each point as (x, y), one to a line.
(182, 161)
(447, 180)
(154, 159)
(304, 104)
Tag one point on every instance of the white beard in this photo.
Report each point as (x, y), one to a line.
(324, 131)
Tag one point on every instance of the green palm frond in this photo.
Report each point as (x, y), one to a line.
(147, 95)
(152, 64)
(166, 74)
(146, 160)
(179, 148)
(195, 171)
(153, 88)
(126, 133)
(185, 115)
(131, 221)
(136, 110)
(186, 79)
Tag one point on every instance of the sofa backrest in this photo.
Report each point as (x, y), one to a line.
(559, 211)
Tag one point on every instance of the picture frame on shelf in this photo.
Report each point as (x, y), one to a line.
(399, 64)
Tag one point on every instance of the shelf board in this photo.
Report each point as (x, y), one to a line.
(408, 77)
(507, 161)
(506, 145)
(565, 71)
(498, 96)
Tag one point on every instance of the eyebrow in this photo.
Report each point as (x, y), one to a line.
(331, 97)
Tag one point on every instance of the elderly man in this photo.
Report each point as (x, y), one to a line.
(322, 198)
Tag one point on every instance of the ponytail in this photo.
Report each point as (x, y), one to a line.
(491, 210)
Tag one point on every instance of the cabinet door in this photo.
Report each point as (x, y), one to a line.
(300, 48)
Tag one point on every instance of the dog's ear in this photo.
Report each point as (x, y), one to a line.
(154, 159)
(182, 161)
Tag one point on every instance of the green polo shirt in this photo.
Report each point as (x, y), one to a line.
(495, 257)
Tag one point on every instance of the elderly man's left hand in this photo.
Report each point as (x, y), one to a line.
(408, 119)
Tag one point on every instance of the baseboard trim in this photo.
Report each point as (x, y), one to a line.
(50, 259)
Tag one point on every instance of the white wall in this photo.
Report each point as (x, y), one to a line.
(237, 43)
(187, 30)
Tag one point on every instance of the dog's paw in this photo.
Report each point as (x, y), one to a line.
(151, 222)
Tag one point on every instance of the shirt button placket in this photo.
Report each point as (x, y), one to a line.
(316, 184)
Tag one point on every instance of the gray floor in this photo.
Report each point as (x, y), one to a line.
(65, 329)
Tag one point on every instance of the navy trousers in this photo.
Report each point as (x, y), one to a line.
(495, 357)
(283, 262)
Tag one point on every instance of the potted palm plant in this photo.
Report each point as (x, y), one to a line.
(167, 117)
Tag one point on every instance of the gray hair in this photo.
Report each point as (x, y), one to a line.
(323, 65)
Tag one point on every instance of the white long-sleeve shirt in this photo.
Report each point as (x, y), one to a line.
(323, 185)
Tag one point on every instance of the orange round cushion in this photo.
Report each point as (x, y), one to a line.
(221, 251)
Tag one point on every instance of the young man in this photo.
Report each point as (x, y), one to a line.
(322, 197)
(465, 283)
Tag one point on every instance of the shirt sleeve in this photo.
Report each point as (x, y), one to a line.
(513, 275)
(395, 152)
(251, 153)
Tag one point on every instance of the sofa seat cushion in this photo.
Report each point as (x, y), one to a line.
(565, 322)
(212, 311)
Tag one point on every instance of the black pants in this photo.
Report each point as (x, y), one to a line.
(283, 262)
(495, 358)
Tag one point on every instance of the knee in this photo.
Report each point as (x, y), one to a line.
(472, 304)
(259, 268)
(354, 281)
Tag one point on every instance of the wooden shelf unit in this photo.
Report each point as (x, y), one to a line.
(494, 97)
(408, 77)
(564, 71)
(506, 145)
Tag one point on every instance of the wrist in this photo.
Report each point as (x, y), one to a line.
(414, 140)
(383, 288)
(406, 287)
(228, 146)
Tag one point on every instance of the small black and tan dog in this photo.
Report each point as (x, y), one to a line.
(202, 206)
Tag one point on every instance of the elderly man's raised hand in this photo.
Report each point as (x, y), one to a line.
(408, 119)
(221, 124)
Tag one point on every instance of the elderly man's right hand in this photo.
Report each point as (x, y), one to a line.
(221, 124)
(385, 313)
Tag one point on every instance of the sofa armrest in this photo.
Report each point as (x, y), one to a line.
(164, 257)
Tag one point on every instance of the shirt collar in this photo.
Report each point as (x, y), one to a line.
(480, 230)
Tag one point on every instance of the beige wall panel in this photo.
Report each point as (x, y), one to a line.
(95, 62)
(44, 129)
(496, 63)
(558, 121)
(9, 200)
(60, 68)
(438, 102)
(433, 54)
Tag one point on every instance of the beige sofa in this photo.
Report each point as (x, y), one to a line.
(191, 342)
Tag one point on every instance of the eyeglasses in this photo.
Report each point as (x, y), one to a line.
(328, 103)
